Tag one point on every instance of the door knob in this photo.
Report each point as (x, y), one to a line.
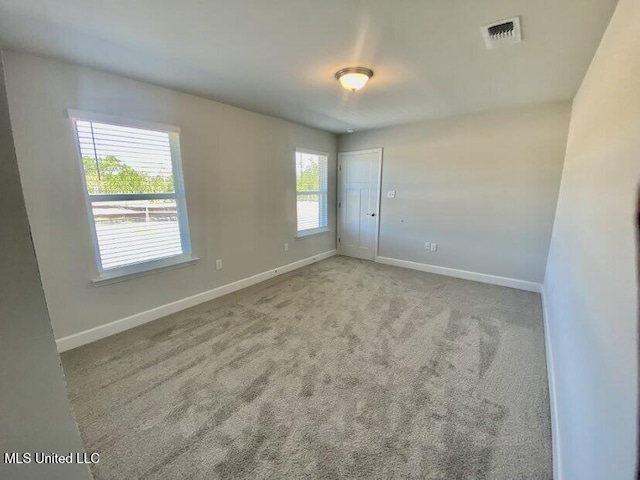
(371, 214)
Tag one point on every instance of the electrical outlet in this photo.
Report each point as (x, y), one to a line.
(391, 194)
(286, 247)
(427, 246)
(434, 247)
(218, 264)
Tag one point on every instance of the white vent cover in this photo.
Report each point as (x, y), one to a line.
(504, 32)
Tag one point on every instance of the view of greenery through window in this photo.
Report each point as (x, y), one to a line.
(110, 175)
(308, 179)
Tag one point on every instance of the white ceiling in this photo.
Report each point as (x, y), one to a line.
(279, 56)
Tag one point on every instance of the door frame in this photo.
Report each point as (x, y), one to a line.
(377, 150)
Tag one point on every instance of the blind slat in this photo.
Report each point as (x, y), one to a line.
(132, 246)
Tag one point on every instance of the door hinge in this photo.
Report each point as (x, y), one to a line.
(339, 204)
(338, 239)
(340, 167)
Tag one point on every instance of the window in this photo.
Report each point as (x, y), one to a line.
(311, 191)
(135, 194)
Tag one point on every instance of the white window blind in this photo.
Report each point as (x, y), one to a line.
(311, 191)
(134, 187)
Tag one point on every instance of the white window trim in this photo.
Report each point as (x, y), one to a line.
(135, 270)
(311, 231)
(88, 116)
(155, 266)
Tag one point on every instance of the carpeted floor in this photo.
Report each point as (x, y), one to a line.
(343, 369)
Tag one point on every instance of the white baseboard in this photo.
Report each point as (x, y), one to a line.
(453, 272)
(93, 334)
(553, 404)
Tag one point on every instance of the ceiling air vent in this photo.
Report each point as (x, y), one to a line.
(504, 32)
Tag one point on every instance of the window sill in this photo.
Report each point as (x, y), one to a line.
(309, 233)
(163, 265)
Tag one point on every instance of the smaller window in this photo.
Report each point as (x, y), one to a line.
(135, 195)
(311, 191)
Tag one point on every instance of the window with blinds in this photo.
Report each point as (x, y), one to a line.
(135, 193)
(311, 192)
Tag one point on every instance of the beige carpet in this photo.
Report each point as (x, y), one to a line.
(343, 369)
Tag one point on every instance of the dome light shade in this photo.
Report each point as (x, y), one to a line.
(354, 78)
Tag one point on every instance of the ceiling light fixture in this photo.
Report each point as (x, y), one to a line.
(354, 78)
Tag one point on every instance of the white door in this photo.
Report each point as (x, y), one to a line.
(359, 201)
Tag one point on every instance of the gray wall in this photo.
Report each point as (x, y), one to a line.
(239, 178)
(35, 414)
(484, 187)
(591, 285)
